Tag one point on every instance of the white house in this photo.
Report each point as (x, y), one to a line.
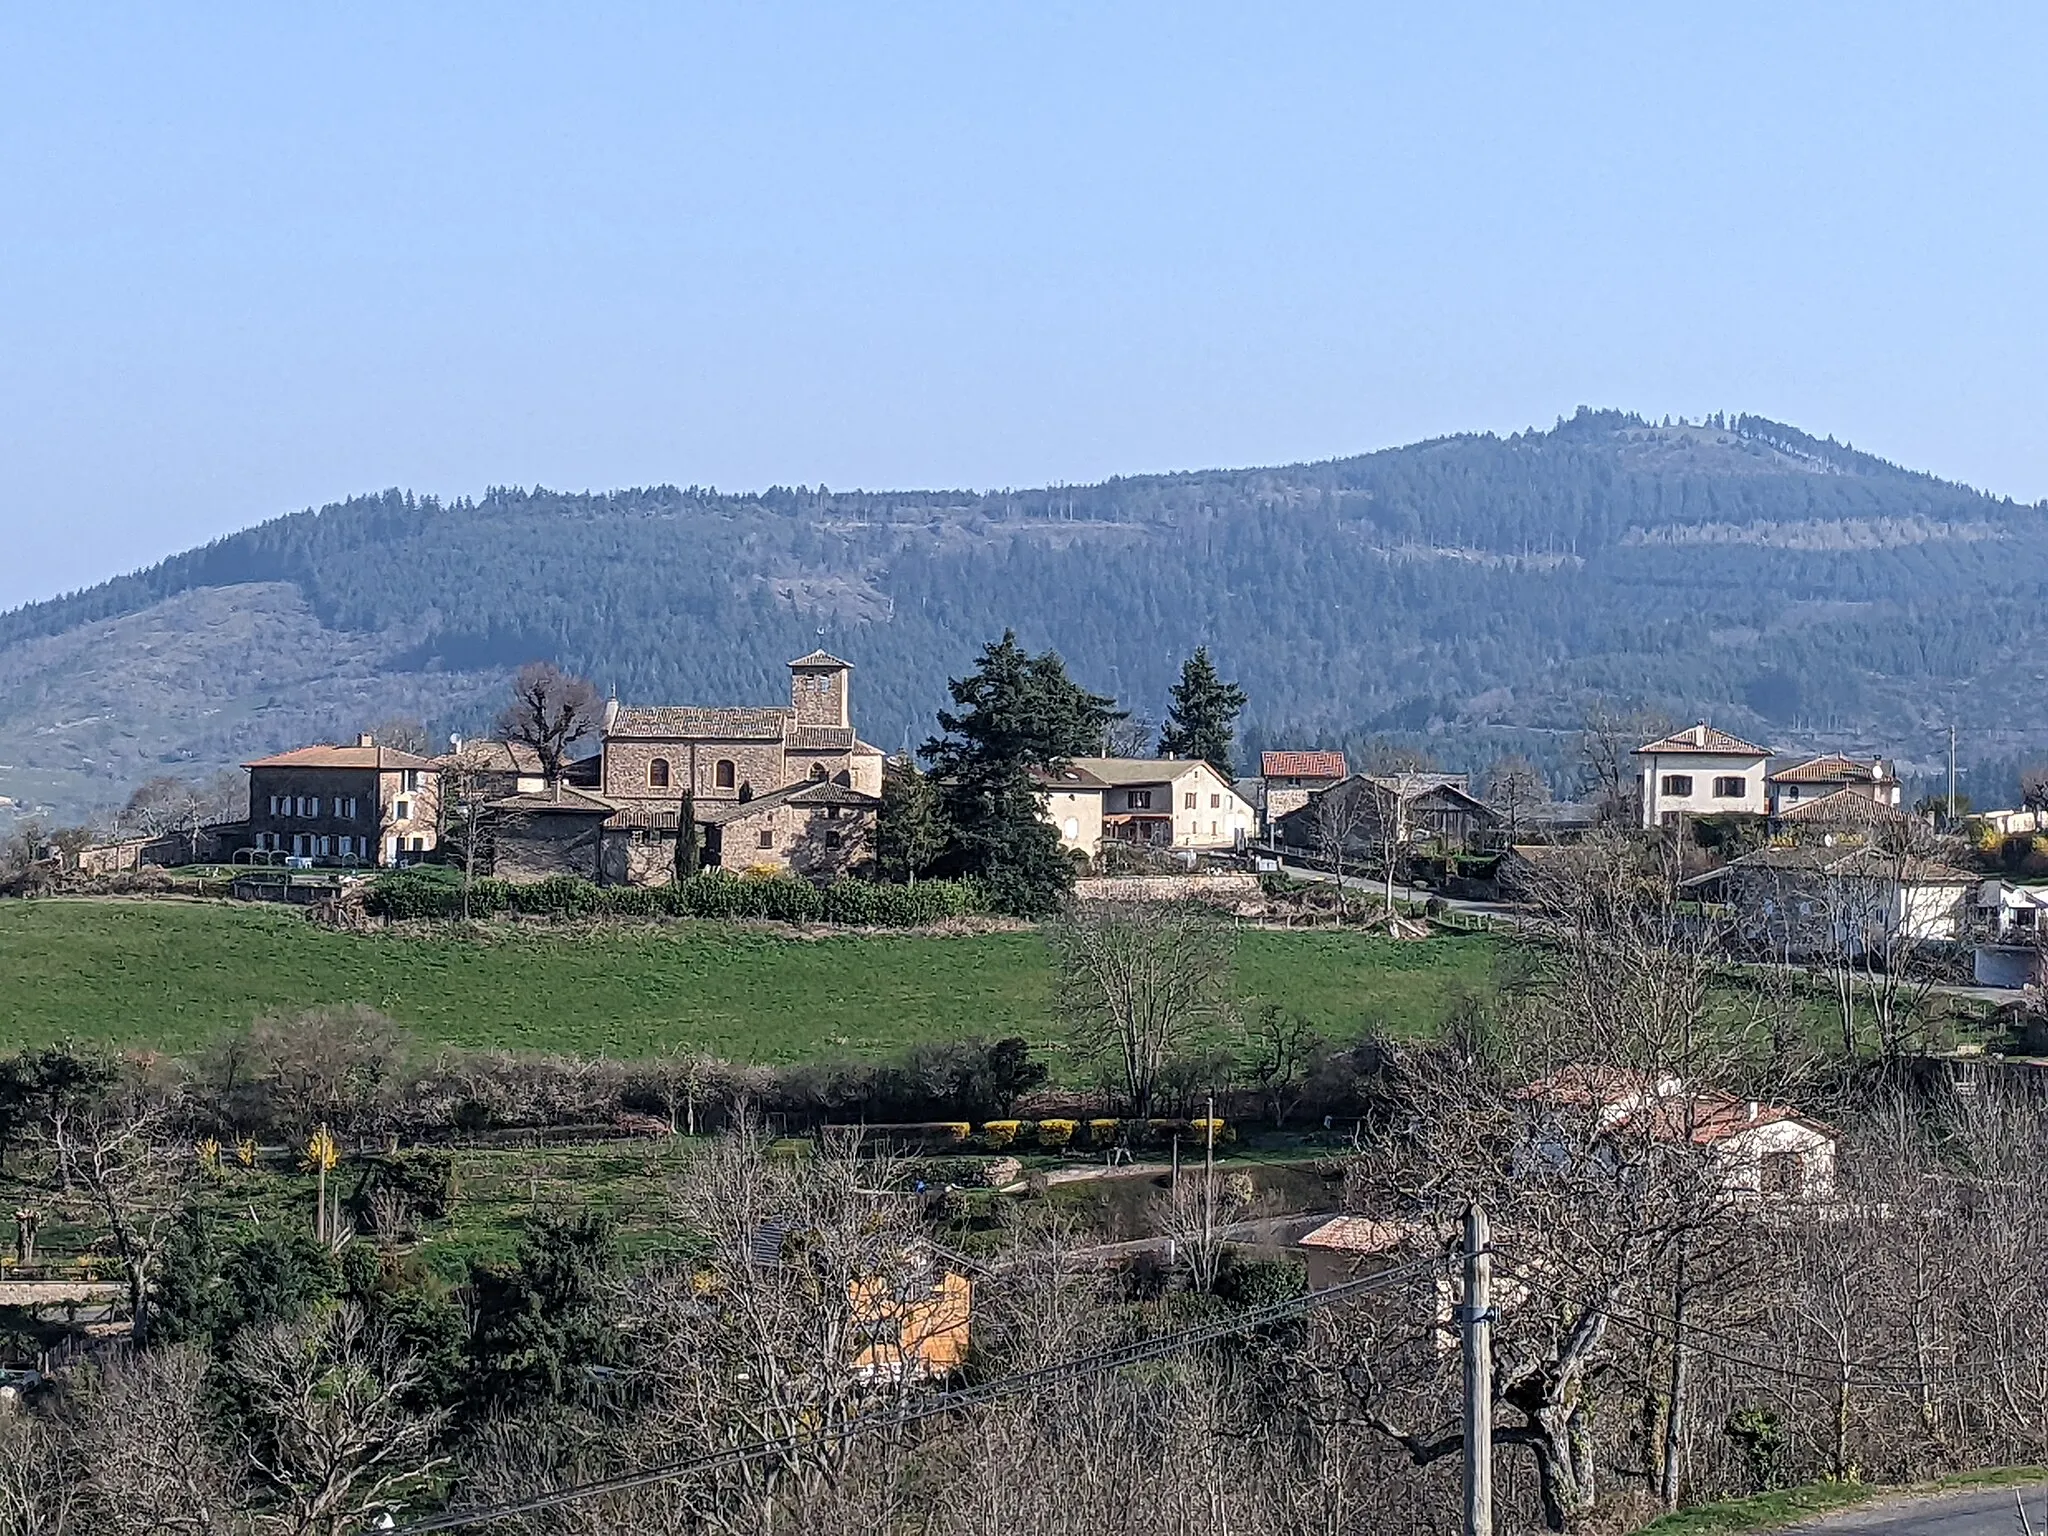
(1701, 771)
(1818, 899)
(1762, 1151)
(1166, 803)
(1815, 778)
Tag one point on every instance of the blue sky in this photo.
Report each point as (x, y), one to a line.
(254, 258)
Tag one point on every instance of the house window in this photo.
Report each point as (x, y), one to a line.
(657, 774)
(1187, 802)
(419, 845)
(348, 847)
(818, 773)
(411, 781)
(323, 847)
(1732, 787)
(725, 775)
(401, 810)
(832, 839)
(1215, 802)
(1677, 783)
(1781, 1173)
(1138, 799)
(766, 839)
(1073, 829)
(1212, 829)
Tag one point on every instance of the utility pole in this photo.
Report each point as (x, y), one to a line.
(1477, 1317)
(1951, 775)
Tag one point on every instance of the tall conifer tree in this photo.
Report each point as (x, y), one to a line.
(1203, 720)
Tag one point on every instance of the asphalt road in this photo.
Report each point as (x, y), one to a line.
(1980, 1512)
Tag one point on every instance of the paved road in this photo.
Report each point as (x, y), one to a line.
(1981, 1512)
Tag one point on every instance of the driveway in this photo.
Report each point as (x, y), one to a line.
(1979, 1512)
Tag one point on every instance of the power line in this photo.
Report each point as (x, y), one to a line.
(1824, 1372)
(966, 1397)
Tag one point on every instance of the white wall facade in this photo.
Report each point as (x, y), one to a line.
(1676, 784)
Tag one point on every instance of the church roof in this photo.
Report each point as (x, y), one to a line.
(685, 721)
(821, 659)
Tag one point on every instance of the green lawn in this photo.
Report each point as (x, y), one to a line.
(169, 975)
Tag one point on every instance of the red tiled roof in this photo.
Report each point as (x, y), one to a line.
(1845, 807)
(1704, 738)
(1303, 765)
(1830, 768)
(324, 756)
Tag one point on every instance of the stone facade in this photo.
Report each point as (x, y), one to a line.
(817, 830)
(363, 804)
(535, 837)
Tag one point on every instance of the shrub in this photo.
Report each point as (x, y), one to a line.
(1104, 1133)
(775, 896)
(1201, 1129)
(1054, 1134)
(1000, 1133)
(957, 1130)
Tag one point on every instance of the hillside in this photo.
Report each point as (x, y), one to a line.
(1470, 591)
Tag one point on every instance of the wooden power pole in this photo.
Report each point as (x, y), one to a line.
(1477, 1316)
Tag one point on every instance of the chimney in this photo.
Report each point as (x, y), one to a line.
(365, 739)
(1699, 734)
(1753, 1108)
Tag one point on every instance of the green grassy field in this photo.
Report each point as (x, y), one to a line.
(170, 975)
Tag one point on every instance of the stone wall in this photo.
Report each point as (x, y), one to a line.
(536, 845)
(758, 764)
(1221, 889)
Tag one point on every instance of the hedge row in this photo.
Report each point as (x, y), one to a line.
(712, 894)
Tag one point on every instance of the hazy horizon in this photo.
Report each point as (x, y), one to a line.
(258, 261)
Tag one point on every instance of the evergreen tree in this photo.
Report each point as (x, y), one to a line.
(910, 826)
(1019, 715)
(1203, 720)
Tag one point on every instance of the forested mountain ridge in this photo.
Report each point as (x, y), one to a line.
(1473, 590)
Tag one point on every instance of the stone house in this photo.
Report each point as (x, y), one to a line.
(1701, 771)
(361, 804)
(819, 830)
(535, 836)
(1164, 803)
(1816, 778)
(1290, 778)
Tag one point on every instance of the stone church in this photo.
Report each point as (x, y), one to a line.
(787, 788)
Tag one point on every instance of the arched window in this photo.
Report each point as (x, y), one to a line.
(725, 775)
(818, 772)
(657, 773)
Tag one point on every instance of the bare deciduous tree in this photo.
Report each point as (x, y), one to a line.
(1140, 979)
(332, 1440)
(1513, 786)
(551, 710)
(122, 1160)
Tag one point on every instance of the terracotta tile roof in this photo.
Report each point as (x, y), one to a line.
(1829, 768)
(1704, 738)
(816, 792)
(1303, 765)
(1360, 1234)
(571, 802)
(1870, 863)
(663, 722)
(821, 659)
(324, 756)
(1137, 770)
(496, 756)
(1845, 807)
(822, 738)
(647, 818)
